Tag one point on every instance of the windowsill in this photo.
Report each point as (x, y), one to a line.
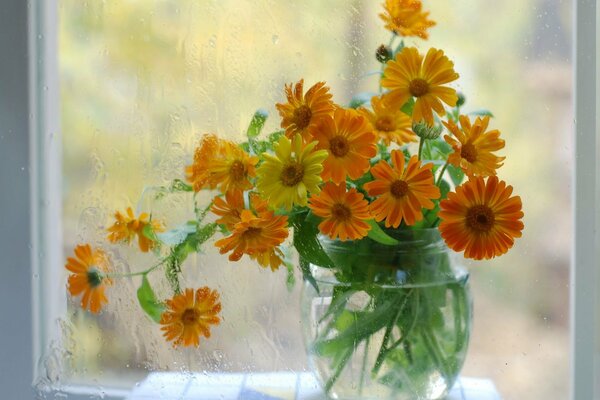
(268, 386)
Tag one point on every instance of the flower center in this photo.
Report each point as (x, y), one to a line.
(338, 146)
(399, 189)
(94, 277)
(480, 218)
(190, 316)
(302, 116)
(341, 212)
(252, 233)
(418, 87)
(385, 124)
(292, 174)
(237, 170)
(469, 152)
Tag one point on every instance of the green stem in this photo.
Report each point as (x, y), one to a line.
(435, 352)
(410, 329)
(439, 179)
(144, 272)
(421, 143)
(364, 364)
(338, 371)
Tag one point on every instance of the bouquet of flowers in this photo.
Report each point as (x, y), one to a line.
(347, 187)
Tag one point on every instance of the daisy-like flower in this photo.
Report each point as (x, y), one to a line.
(127, 226)
(401, 192)
(254, 234)
(272, 258)
(231, 168)
(229, 209)
(473, 146)
(295, 170)
(189, 315)
(349, 141)
(481, 218)
(88, 277)
(406, 18)
(411, 75)
(345, 212)
(302, 111)
(198, 173)
(390, 124)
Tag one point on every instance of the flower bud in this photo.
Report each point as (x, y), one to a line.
(425, 131)
(383, 54)
(461, 99)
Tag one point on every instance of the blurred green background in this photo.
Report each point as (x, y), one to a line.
(141, 80)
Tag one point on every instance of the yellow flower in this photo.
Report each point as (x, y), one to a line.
(390, 124)
(295, 170)
(231, 168)
(473, 146)
(198, 173)
(409, 75)
(190, 315)
(345, 212)
(272, 258)
(302, 111)
(405, 18)
(127, 226)
(88, 276)
(481, 218)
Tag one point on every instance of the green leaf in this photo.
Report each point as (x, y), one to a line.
(378, 235)
(180, 186)
(177, 235)
(307, 274)
(361, 99)
(407, 108)
(149, 233)
(456, 174)
(148, 301)
(482, 113)
(444, 189)
(257, 123)
(307, 244)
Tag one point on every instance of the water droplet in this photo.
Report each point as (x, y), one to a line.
(275, 39)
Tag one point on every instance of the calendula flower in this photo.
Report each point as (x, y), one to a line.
(302, 111)
(406, 18)
(88, 277)
(231, 168)
(272, 258)
(199, 172)
(409, 75)
(401, 192)
(349, 141)
(473, 146)
(390, 124)
(254, 235)
(229, 209)
(189, 315)
(345, 212)
(295, 170)
(127, 226)
(481, 218)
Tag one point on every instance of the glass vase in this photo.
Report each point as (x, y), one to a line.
(387, 322)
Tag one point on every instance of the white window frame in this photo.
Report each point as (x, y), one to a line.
(30, 169)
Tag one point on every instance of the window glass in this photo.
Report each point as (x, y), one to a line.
(141, 81)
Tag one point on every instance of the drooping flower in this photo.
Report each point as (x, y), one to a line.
(411, 75)
(406, 18)
(295, 170)
(401, 192)
(473, 146)
(88, 277)
(303, 111)
(345, 212)
(390, 124)
(229, 209)
(349, 141)
(127, 226)
(232, 168)
(199, 172)
(254, 235)
(481, 218)
(189, 315)
(272, 258)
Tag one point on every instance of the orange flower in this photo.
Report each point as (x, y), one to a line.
(272, 258)
(254, 234)
(127, 226)
(390, 124)
(473, 146)
(403, 193)
(89, 268)
(344, 212)
(481, 218)
(302, 111)
(350, 143)
(405, 18)
(409, 75)
(229, 209)
(231, 168)
(198, 173)
(190, 315)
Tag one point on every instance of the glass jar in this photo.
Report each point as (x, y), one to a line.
(387, 322)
